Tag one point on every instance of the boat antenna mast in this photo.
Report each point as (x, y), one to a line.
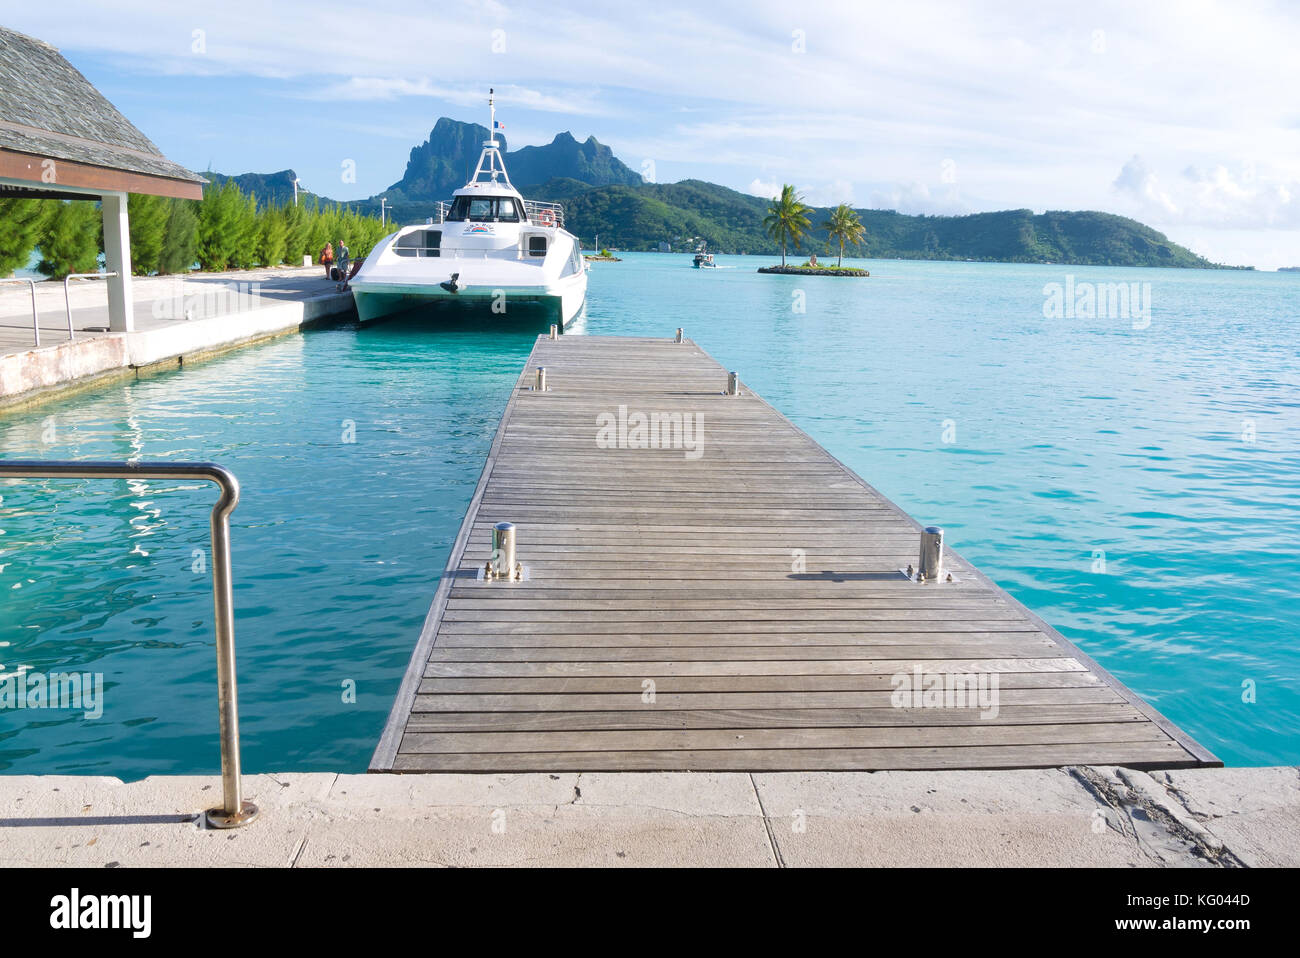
(491, 164)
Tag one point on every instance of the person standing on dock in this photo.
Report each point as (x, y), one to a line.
(341, 254)
(327, 259)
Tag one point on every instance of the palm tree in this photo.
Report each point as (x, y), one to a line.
(787, 219)
(844, 226)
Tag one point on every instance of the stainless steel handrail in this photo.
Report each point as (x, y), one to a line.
(535, 208)
(36, 323)
(67, 301)
(235, 811)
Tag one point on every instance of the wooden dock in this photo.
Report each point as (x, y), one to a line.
(737, 605)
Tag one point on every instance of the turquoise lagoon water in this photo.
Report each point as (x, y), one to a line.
(1137, 487)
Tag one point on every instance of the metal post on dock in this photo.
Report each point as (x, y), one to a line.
(503, 564)
(930, 564)
(555, 331)
(235, 811)
(541, 379)
(679, 335)
(733, 384)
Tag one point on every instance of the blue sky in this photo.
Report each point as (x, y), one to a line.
(1182, 114)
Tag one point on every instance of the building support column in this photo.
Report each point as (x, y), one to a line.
(117, 257)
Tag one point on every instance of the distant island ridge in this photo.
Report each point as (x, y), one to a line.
(603, 196)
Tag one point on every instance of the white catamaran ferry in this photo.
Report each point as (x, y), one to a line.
(489, 248)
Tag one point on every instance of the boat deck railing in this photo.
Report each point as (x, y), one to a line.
(235, 811)
(540, 212)
(511, 253)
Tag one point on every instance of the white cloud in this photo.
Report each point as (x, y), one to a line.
(1137, 180)
(391, 88)
(1214, 195)
(767, 189)
(915, 197)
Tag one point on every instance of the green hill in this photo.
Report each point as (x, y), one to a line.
(271, 189)
(682, 214)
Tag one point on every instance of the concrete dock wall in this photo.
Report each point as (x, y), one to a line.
(39, 374)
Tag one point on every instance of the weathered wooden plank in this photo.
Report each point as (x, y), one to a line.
(786, 738)
(848, 682)
(856, 627)
(476, 652)
(1139, 755)
(634, 700)
(594, 665)
(768, 718)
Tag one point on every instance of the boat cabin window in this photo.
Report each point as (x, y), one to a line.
(484, 209)
(418, 243)
(537, 246)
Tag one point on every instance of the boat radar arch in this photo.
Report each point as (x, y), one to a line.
(491, 164)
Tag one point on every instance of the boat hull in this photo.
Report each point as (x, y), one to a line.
(561, 301)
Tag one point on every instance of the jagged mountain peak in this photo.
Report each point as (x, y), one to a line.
(443, 162)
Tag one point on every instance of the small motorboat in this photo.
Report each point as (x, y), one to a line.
(704, 260)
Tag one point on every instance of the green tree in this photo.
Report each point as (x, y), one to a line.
(844, 226)
(247, 230)
(787, 219)
(272, 235)
(181, 239)
(228, 228)
(233, 232)
(297, 240)
(148, 217)
(71, 242)
(220, 212)
(22, 222)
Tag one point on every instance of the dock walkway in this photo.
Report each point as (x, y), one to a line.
(178, 319)
(732, 602)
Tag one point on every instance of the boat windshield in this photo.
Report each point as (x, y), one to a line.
(484, 209)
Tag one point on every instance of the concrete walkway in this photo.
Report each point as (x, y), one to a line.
(1083, 816)
(177, 317)
(90, 305)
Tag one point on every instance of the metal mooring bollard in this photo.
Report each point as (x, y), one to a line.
(555, 331)
(541, 379)
(679, 334)
(930, 564)
(502, 565)
(733, 384)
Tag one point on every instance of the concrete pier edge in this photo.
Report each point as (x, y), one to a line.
(1063, 817)
(43, 374)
